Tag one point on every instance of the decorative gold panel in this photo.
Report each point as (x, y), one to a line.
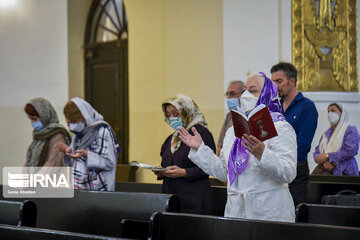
(324, 45)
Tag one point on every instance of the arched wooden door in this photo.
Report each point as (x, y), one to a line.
(106, 67)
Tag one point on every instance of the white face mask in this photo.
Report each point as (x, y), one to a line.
(248, 101)
(76, 127)
(333, 118)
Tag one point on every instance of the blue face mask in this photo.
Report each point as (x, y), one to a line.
(37, 125)
(76, 127)
(175, 122)
(233, 103)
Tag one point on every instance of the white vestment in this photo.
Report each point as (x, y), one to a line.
(261, 191)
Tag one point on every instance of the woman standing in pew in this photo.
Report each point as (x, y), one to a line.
(338, 145)
(93, 150)
(47, 134)
(257, 173)
(183, 177)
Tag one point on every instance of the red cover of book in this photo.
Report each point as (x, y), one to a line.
(259, 123)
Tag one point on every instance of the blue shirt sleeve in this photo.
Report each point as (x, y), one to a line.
(307, 127)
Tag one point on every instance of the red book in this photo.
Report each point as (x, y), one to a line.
(259, 123)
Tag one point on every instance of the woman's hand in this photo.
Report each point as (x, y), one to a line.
(64, 148)
(190, 141)
(174, 172)
(78, 154)
(328, 165)
(321, 158)
(253, 145)
(159, 174)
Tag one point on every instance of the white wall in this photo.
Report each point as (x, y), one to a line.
(33, 62)
(250, 37)
(255, 38)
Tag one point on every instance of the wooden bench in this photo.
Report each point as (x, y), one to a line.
(333, 178)
(18, 213)
(174, 226)
(327, 214)
(103, 213)
(318, 189)
(8, 232)
(219, 193)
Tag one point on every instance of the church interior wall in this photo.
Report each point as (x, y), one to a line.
(33, 57)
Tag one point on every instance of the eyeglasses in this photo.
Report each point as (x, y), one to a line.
(232, 94)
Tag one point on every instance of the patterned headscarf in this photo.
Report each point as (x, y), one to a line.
(239, 156)
(93, 120)
(48, 117)
(190, 116)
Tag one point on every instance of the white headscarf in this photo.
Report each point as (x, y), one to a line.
(88, 112)
(336, 139)
(93, 119)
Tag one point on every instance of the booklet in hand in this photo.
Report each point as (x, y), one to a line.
(147, 166)
(259, 123)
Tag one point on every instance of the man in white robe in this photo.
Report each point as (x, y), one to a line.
(260, 191)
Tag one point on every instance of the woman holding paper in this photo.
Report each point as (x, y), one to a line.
(257, 173)
(183, 177)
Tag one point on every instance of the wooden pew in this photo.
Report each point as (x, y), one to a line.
(18, 213)
(219, 193)
(8, 232)
(318, 189)
(137, 187)
(329, 215)
(332, 178)
(174, 226)
(103, 213)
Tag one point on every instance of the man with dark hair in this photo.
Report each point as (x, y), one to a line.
(301, 113)
(233, 93)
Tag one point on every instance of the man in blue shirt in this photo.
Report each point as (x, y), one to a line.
(301, 113)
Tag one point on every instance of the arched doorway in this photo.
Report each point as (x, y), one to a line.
(106, 67)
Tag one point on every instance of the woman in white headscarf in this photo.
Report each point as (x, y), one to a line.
(338, 145)
(257, 173)
(93, 150)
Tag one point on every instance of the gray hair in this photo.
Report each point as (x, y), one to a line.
(236, 81)
(259, 77)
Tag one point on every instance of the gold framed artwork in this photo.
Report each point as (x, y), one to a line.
(324, 45)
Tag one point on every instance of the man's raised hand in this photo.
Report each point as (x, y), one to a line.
(190, 141)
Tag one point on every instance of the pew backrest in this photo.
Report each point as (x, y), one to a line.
(329, 214)
(336, 179)
(174, 226)
(18, 213)
(137, 187)
(319, 189)
(8, 232)
(100, 213)
(219, 193)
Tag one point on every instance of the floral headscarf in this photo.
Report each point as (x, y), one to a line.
(190, 116)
